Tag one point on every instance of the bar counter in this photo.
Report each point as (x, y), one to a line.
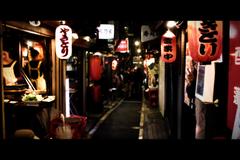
(34, 115)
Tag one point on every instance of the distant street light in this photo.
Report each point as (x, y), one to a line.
(138, 50)
(136, 43)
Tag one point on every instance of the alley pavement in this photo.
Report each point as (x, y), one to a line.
(115, 122)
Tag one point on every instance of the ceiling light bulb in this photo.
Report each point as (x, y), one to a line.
(29, 43)
(171, 24)
(75, 35)
(87, 38)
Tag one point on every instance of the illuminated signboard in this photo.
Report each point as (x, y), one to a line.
(123, 46)
(106, 31)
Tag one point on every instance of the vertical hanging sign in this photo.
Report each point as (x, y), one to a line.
(63, 35)
(123, 46)
(233, 108)
(168, 47)
(205, 40)
(236, 126)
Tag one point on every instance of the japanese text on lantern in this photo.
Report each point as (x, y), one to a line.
(236, 96)
(236, 127)
(208, 37)
(237, 56)
(168, 47)
(63, 41)
(205, 40)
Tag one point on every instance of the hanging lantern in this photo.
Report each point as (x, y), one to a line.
(96, 93)
(205, 40)
(96, 67)
(63, 35)
(114, 64)
(123, 46)
(168, 47)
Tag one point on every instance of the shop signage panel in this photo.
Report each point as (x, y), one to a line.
(236, 101)
(205, 83)
(147, 34)
(106, 31)
(233, 77)
(123, 46)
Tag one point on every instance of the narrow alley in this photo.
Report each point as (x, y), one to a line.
(119, 79)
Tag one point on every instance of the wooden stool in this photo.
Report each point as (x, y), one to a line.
(25, 134)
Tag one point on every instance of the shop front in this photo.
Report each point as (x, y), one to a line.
(233, 81)
(28, 78)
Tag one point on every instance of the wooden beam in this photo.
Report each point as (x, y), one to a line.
(3, 136)
(26, 27)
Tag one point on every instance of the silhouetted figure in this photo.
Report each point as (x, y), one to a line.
(138, 76)
(36, 71)
(11, 72)
(192, 74)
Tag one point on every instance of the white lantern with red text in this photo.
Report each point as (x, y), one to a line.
(205, 40)
(63, 35)
(114, 64)
(168, 47)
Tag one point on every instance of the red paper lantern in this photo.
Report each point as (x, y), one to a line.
(168, 47)
(123, 46)
(205, 40)
(95, 67)
(96, 93)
